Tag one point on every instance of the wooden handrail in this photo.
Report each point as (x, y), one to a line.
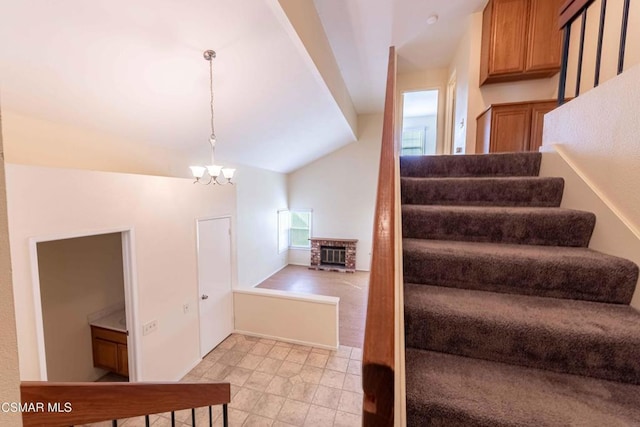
(378, 362)
(64, 404)
(570, 9)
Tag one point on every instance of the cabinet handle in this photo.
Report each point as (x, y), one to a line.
(204, 296)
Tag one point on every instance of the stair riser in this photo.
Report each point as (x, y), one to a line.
(487, 192)
(511, 164)
(573, 229)
(610, 283)
(554, 350)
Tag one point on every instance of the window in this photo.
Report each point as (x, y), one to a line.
(294, 229)
(299, 228)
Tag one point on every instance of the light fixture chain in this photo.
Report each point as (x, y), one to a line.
(213, 133)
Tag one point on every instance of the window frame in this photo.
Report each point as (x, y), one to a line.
(310, 212)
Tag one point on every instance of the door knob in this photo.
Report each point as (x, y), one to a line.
(204, 296)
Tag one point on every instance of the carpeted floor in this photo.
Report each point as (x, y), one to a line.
(510, 319)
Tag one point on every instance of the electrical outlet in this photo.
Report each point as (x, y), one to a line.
(186, 308)
(149, 327)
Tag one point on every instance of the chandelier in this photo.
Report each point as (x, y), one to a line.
(212, 170)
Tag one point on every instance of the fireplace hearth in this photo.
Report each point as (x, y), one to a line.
(333, 254)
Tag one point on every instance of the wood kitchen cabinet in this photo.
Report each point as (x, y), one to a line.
(520, 40)
(512, 127)
(110, 350)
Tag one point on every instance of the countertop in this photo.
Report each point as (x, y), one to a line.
(115, 321)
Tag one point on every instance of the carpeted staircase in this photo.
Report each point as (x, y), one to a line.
(510, 319)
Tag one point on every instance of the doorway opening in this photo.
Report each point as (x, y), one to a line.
(84, 293)
(419, 123)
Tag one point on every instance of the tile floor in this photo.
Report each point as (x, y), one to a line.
(276, 384)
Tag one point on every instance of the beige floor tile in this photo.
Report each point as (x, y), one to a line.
(261, 349)
(327, 397)
(302, 347)
(139, 421)
(228, 343)
(350, 402)
(267, 341)
(250, 361)
(284, 344)
(269, 366)
(297, 355)
(352, 383)
(190, 378)
(356, 354)
(278, 352)
(344, 419)
(254, 420)
(293, 412)
(245, 399)
(258, 381)
(215, 354)
(244, 346)
(269, 405)
(201, 368)
(317, 360)
(319, 416)
(320, 351)
(281, 424)
(218, 371)
(280, 386)
(337, 364)
(310, 374)
(238, 376)
(237, 417)
(355, 367)
(231, 358)
(289, 369)
(344, 351)
(303, 392)
(332, 379)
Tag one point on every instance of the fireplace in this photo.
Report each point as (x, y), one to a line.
(333, 254)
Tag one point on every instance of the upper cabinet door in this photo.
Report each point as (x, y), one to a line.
(544, 38)
(508, 36)
(520, 40)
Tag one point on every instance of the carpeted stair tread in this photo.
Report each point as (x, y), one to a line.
(576, 337)
(447, 390)
(549, 271)
(523, 225)
(502, 164)
(509, 191)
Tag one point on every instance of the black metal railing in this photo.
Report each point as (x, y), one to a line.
(570, 12)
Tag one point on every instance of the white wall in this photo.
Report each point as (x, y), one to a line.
(268, 313)
(9, 373)
(341, 190)
(260, 194)
(78, 277)
(162, 212)
(598, 133)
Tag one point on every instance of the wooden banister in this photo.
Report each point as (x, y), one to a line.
(570, 9)
(378, 362)
(64, 404)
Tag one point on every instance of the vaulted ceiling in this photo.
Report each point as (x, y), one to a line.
(135, 69)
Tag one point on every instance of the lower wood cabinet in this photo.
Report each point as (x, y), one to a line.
(110, 350)
(512, 127)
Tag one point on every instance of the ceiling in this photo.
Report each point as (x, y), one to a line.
(135, 69)
(361, 31)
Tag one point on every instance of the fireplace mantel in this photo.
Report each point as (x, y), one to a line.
(350, 253)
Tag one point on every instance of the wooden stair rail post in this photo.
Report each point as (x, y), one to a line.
(378, 362)
(65, 404)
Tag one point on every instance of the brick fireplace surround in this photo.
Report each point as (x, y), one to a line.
(350, 255)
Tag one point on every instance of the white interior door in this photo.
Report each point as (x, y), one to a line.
(214, 282)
